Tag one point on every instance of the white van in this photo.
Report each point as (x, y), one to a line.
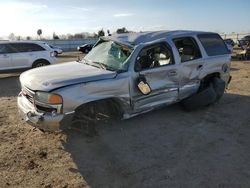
(24, 55)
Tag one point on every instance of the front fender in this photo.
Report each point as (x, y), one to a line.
(77, 95)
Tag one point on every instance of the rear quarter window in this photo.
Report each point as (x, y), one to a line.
(213, 44)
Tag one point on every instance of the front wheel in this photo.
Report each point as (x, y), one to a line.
(89, 116)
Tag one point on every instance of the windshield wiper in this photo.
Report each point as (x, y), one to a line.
(105, 66)
(101, 65)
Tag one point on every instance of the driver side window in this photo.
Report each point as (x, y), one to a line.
(154, 56)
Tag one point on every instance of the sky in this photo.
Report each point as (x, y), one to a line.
(25, 17)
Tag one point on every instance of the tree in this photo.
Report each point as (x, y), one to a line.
(28, 38)
(12, 36)
(122, 30)
(101, 33)
(39, 32)
(55, 36)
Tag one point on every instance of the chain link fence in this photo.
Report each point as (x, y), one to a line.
(234, 36)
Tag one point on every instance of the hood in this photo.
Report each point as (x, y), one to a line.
(60, 75)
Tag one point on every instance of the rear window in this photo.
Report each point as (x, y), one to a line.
(213, 44)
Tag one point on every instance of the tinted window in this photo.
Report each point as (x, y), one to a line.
(26, 47)
(4, 48)
(187, 48)
(213, 44)
(154, 56)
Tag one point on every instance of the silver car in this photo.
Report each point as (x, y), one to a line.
(126, 75)
(23, 55)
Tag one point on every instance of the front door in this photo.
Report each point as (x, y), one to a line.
(156, 70)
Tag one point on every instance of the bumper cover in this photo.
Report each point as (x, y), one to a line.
(44, 121)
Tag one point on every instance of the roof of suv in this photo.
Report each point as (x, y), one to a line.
(144, 37)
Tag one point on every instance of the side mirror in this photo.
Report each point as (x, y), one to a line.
(143, 85)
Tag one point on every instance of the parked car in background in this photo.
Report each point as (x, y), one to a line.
(56, 49)
(85, 48)
(127, 75)
(24, 55)
(243, 42)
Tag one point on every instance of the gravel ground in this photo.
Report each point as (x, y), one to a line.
(165, 148)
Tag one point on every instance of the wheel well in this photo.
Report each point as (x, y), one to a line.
(40, 61)
(208, 79)
(113, 105)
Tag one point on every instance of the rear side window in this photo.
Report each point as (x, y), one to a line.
(26, 47)
(187, 48)
(213, 44)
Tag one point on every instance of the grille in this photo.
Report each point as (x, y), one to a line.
(45, 109)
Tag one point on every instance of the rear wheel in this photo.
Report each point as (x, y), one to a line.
(40, 63)
(210, 91)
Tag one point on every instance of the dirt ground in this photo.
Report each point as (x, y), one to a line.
(165, 148)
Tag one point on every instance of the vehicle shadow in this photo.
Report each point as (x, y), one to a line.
(9, 85)
(169, 148)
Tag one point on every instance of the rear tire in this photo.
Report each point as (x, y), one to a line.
(40, 63)
(200, 99)
(209, 93)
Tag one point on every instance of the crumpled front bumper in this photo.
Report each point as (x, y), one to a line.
(46, 121)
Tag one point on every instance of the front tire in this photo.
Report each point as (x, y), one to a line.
(88, 116)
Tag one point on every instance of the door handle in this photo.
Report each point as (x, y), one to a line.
(172, 73)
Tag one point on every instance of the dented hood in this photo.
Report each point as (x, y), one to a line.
(60, 75)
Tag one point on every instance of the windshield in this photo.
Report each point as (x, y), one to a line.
(109, 55)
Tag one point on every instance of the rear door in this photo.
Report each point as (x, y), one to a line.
(5, 57)
(20, 56)
(155, 66)
(191, 65)
(25, 54)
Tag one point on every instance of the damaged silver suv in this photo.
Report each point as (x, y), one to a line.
(126, 75)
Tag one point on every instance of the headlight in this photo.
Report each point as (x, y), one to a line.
(48, 98)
